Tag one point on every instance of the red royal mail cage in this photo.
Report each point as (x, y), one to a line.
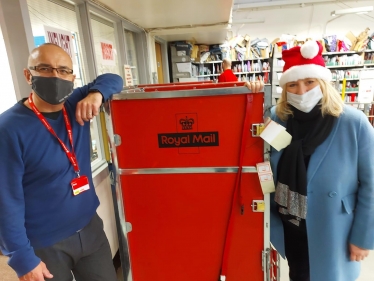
(190, 202)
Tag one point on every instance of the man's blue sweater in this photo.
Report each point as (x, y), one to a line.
(37, 206)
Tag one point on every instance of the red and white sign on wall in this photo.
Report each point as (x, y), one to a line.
(62, 38)
(107, 52)
(128, 76)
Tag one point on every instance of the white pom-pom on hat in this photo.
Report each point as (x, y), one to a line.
(310, 49)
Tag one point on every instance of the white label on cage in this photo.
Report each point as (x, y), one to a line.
(265, 176)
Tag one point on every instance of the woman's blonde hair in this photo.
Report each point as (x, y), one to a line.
(332, 103)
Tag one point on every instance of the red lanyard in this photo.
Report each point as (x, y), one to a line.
(71, 155)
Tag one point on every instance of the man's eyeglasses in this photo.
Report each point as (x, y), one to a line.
(49, 69)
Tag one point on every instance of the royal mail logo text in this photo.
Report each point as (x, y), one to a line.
(197, 139)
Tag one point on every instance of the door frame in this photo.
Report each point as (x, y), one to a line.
(164, 58)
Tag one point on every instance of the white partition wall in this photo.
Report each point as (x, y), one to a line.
(7, 94)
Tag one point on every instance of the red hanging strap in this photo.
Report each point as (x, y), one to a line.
(237, 188)
(71, 155)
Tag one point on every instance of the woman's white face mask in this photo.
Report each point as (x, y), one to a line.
(307, 101)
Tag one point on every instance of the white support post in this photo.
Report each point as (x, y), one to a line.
(16, 29)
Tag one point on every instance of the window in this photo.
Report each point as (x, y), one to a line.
(131, 55)
(96, 155)
(106, 62)
(105, 45)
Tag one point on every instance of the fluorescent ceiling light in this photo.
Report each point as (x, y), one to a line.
(277, 3)
(245, 21)
(359, 11)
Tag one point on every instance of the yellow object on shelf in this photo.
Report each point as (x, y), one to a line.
(343, 89)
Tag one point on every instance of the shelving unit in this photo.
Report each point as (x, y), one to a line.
(347, 79)
(253, 74)
(349, 92)
(357, 63)
(347, 53)
(204, 70)
(345, 66)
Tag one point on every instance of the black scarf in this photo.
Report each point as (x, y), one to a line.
(308, 131)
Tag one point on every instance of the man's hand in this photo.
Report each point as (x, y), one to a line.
(256, 86)
(88, 107)
(357, 253)
(37, 274)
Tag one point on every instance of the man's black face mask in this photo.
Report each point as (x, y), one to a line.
(52, 90)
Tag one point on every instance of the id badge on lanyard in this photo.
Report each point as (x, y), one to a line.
(80, 183)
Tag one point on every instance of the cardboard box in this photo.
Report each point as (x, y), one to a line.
(203, 48)
(353, 40)
(264, 53)
(195, 52)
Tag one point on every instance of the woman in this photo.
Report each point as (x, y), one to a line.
(323, 207)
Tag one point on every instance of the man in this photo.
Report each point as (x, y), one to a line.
(48, 221)
(227, 74)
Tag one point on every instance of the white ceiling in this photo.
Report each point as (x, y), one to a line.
(166, 13)
(207, 21)
(308, 20)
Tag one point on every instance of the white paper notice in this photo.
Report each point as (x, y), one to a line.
(128, 76)
(107, 52)
(265, 176)
(276, 135)
(366, 89)
(62, 38)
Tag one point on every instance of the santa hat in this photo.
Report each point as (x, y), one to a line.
(304, 62)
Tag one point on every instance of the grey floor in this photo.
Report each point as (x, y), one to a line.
(367, 272)
(367, 269)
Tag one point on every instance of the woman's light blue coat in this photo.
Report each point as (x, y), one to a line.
(340, 187)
